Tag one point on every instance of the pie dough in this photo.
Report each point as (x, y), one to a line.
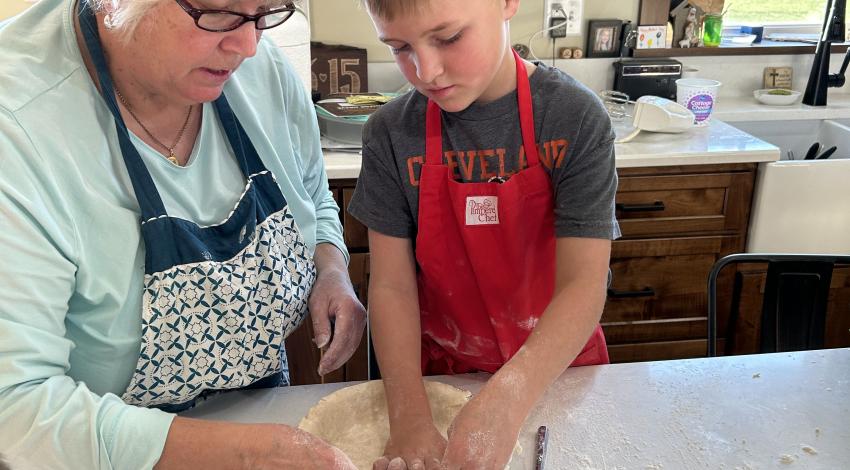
(354, 419)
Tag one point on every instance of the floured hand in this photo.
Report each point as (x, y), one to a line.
(414, 449)
(482, 435)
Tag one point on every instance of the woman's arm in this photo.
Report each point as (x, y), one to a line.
(501, 407)
(213, 445)
(48, 419)
(306, 144)
(394, 319)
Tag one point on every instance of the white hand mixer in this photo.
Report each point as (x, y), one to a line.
(651, 113)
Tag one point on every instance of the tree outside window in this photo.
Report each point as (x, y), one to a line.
(775, 12)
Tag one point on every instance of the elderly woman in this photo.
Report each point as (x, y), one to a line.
(166, 221)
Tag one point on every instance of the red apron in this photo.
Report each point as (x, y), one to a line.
(486, 256)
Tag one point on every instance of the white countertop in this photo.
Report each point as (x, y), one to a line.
(716, 143)
(748, 412)
(746, 108)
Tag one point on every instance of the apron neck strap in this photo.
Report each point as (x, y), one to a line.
(147, 195)
(434, 125)
(526, 113)
(149, 201)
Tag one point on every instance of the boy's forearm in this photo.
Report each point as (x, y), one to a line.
(564, 327)
(560, 335)
(396, 338)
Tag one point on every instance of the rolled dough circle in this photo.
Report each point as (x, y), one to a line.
(354, 419)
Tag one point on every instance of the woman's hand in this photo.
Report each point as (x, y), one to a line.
(483, 435)
(332, 301)
(418, 448)
(213, 445)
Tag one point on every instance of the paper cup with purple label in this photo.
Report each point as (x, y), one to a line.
(699, 95)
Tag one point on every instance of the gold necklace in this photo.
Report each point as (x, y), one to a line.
(171, 156)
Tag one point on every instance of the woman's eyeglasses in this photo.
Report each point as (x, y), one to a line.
(219, 21)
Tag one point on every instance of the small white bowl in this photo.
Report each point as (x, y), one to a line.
(763, 96)
(739, 38)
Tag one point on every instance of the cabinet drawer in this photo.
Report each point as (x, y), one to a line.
(659, 351)
(654, 330)
(658, 290)
(662, 205)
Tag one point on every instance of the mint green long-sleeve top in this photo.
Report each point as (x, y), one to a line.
(71, 256)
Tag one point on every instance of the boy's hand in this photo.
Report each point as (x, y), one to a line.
(416, 449)
(481, 435)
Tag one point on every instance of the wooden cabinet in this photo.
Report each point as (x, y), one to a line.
(302, 352)
(676, 222)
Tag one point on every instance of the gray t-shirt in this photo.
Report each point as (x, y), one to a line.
(573, 133)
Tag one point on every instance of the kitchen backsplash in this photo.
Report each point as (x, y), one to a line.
(740, 75)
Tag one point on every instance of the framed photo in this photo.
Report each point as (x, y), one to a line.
(603, 38)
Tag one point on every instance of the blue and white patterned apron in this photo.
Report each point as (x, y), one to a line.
(218, 300)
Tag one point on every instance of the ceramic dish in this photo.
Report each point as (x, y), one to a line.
(739, 39)
(764, 96)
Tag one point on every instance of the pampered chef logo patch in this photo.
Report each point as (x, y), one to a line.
(482, 210)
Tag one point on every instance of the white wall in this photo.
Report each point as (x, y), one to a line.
(10, 8)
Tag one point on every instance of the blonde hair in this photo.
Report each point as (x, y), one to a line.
(389, 9)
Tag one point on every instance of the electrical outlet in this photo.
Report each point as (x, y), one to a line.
(573, 10)
(561, 30)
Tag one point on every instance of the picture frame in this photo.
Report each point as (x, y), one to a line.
(603, 38)
(651, 37)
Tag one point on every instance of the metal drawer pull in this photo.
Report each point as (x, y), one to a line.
(654, 207)
(622, 294)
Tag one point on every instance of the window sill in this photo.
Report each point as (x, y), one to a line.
(763, 48)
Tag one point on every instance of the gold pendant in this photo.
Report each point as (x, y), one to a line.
(173, 158)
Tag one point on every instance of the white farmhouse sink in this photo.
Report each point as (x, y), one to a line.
(797, 136)
(801, 206)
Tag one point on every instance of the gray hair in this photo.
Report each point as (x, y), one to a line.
(125, 14)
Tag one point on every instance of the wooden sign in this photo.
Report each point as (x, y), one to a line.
(778, 77)
(338, 69)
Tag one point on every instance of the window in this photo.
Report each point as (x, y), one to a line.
(775, 12)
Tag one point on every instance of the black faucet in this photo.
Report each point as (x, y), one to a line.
(819, 78)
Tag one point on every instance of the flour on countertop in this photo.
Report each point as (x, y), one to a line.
(809, 449)
(786, 459)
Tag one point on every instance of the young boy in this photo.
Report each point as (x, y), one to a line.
(490, 246)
